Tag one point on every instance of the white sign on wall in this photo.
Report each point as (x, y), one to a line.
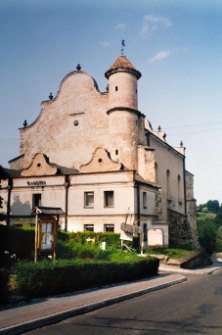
(126, 236)
(155, 237)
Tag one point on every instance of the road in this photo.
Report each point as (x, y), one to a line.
(193, 307)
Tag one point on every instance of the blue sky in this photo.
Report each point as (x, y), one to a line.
(176, 45)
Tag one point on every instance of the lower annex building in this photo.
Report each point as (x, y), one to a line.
(95, 155)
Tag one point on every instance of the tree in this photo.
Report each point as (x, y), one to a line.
(218, 219)
(213, 206)
(219, 239)
(207, 235)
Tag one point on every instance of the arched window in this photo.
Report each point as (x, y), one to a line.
(156, 172)
(179, 188)
(168, 184)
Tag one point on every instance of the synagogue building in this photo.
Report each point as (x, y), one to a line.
(95, 155)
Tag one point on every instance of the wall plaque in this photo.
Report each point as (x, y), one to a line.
(155, 237)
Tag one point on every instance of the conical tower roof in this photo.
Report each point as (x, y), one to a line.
(122, 64)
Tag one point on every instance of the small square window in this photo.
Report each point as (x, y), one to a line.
(89, 199)
(144, 199)
(36, 200)
(109, 228)
(108, 199)
(88, 227)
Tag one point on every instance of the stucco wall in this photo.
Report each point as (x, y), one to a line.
(126, 95)
(168, 159)
(52, 192)
(72, 125)
(54, 132)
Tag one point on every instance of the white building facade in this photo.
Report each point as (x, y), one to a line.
(97, 157)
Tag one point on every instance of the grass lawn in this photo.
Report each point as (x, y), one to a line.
(204, 216)
(175, 252)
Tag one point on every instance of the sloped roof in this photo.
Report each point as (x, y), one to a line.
(8, 173)
(48, 210)
(122, 63)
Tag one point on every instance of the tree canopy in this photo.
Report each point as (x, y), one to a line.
(211, 205)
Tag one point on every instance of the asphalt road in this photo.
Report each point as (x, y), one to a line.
(193, 307)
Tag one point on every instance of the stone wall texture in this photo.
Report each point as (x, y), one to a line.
(179, 229)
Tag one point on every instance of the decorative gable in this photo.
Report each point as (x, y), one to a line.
(100, 162)
(39, 167)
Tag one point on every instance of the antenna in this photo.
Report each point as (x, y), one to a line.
(122, 46)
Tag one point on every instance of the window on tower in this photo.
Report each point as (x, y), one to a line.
(116, 88)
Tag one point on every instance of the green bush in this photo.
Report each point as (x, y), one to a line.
(4, 283)
(72, 249)
(47, 278)
(109, 238)
(218, 219)
(207, 231)
(15, 243)
(219, 239)
(18, 243)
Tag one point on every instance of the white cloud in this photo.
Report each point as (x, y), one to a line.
(160, 55)
(105, 44)
(120, 26)
(152, 22)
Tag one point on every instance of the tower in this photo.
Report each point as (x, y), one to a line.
(124, 117)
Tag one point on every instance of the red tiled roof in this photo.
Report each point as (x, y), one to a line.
(122, 63)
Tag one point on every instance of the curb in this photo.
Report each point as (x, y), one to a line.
(58, 317)
(205, 271)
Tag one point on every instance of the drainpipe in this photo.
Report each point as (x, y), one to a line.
(66, 184)
(138, 202)
(36, 237)
(9, 201)
(148, 139)
(141, 239)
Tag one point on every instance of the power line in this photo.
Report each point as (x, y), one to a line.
(194, 125)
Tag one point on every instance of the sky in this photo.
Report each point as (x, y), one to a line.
(176, 45)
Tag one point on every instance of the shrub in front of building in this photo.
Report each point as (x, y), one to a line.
(18, 244)
(74, 250)
(4, 285)
(46, 278)
(15, 243)
(111, 239)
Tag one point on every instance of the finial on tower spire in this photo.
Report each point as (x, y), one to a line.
(122, 46)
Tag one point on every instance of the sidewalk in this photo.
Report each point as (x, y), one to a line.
(41, 312)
